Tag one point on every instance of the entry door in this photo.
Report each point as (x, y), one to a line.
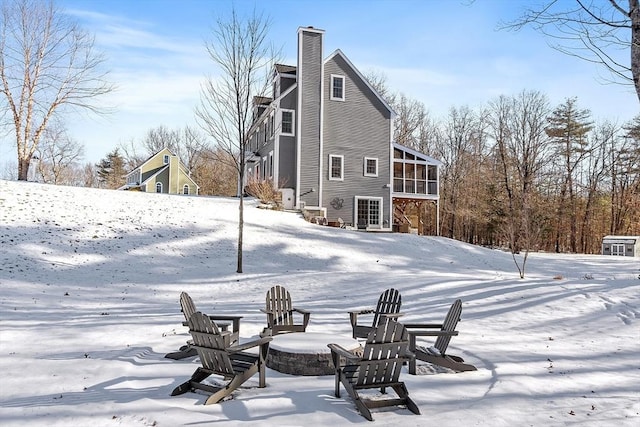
(368, 211)
(617, 249)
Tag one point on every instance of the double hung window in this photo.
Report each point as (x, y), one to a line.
(337, 88)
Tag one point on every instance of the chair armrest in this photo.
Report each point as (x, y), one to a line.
(391, 315)
(250, 344)
(366, 311)
(301, 310)
(433, 333)
(422, 325)
(341, 351)
(234, 319)
(353, 315)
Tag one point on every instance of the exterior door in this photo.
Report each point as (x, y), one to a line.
(368, 212)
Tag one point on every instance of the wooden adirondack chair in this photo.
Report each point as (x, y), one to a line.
(217, 358)
(280, 313)
(188, 308)
(388, 306)
(437, 354)
(379, 366)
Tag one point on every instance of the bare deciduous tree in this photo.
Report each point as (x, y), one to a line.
(244, 58)
(47, 64)
(58, 155)
(593, 30)
(518, 127)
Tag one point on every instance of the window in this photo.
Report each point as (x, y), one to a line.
(271, 124)
(287, 122)
(270, 164)
(185, 189)
(370, 166)
(165, 159)
(336, 167)
(337, 88)
(265, 130)
(158, 187)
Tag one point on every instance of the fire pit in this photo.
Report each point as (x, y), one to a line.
(306, 353)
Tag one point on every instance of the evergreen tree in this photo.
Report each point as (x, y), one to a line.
(568, 129)
(111, 170)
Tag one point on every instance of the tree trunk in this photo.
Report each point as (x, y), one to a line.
(23, 169)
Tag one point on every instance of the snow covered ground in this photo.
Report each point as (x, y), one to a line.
(89, 287)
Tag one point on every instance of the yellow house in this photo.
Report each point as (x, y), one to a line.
(163, 172)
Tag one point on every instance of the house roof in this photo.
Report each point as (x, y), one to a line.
(262, 100)
(286, 69)
(429, 159)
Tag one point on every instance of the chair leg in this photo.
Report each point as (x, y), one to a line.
(402, 391)
(197, 377)
(360, 405)
(226, 390)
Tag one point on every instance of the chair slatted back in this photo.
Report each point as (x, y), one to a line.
(383, 355)
(279, 302)
(449, 325)
(210, 344)
(187, 305)
(388, 303)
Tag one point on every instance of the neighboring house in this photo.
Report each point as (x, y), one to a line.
(621, 245)
(163, 172)
(324, 138)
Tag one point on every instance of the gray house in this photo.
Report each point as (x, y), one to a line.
(621, 245)
(324, 138)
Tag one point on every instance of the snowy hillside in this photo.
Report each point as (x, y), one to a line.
(90, 281)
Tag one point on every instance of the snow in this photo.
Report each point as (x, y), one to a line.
(90, 281)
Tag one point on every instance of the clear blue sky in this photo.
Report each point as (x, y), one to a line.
(443, 53)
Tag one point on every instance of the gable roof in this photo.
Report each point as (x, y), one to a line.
(338, 52)
(151, 157)
(286, 69)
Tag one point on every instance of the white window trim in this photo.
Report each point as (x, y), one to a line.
(293, 122)
(158, 185)
(186, 186)
(165, 159)
(380, 214)
(333, 98)
(341, 157)
(366, 160)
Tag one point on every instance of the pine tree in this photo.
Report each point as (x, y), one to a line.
(111, 171)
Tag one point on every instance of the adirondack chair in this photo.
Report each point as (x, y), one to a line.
(188, 308)
(280, 313)
(437, 354)
(379, 366)
(217, 358)
(388, 306)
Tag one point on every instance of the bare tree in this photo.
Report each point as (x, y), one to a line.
(58, 155)
(518, 127)
(240, 50)
(47, 64)
(593, 30)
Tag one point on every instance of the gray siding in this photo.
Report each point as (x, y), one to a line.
(356, 128)
(309, 79)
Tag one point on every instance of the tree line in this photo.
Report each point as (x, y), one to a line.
(520, 173)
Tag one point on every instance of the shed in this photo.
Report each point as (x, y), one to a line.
(621, 245)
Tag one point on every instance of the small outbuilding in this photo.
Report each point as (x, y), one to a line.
(621, 245)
